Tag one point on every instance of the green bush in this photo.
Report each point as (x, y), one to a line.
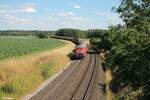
(42, 35)
(8, 88)
(47, 71)
(129, 51)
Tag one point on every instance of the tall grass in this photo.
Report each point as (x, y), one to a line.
(21, 76)
(47, 70)
(109, 94)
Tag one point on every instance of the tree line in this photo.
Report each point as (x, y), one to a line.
(76, 33)
(66, 32)
(127, 49)
(40, 34)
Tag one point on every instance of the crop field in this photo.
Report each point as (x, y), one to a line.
(13, 47)
(43, 58)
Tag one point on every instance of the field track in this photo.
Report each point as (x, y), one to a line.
(82, 80)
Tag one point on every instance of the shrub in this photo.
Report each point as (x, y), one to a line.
(47, 71)
(8, 88)
(42, 35)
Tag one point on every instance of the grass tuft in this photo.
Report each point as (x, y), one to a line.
(47, 70)
(8, 89)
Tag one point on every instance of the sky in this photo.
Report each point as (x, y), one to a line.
(56, 14)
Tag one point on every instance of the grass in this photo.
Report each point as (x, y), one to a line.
(14, 47)
(47, 70)
(109, 94)
(21, 76)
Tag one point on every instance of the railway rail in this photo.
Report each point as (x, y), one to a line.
(82, 80)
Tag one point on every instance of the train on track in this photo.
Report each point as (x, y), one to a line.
(74, 40)
(80, 50)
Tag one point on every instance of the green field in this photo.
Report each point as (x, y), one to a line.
(14, 47)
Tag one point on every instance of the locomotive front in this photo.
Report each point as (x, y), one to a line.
(81, 51)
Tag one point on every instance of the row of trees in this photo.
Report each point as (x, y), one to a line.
(71, 33)
(40, 34)
(129, 51)
(76, 33)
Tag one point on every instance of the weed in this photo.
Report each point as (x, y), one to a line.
(8, 89)
(47, 71)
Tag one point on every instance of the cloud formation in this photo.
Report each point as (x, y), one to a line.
(110, 18)
(27, 8)
(70, 17)
(15, 20)
(62, 19)
(66, 14)
(76, 6)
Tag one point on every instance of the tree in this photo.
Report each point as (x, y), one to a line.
(42, 35)
(135, 13)
(129, 50)
(129, 57)
(75, 33)
(96, 33)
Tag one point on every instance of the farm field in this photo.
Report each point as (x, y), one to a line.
(14, 47)
(22, 75)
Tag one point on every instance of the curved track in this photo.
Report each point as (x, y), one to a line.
(82, 80)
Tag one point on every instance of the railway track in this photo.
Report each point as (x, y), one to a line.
(75, 83)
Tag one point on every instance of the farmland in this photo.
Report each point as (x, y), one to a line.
(14, 47)
(43, 58)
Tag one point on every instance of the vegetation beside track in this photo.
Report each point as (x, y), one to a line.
(21, 75)
(14, 47)
(127, 49)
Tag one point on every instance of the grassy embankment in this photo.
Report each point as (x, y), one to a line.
(109, 94)
(21, 75)
(108, 77)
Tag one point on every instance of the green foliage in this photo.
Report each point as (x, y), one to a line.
(95, 41)
(135, 13)
(8, 89)
(129, 58)
(102, 42)
(12, 47)
(25, 33)
(42, 35)
(75, 33)
(47, 71)
(129, 50)
(96, 33)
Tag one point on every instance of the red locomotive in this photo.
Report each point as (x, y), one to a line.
(81, 50)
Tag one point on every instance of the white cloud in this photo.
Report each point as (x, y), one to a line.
(70, 17)
(66, 14)
(65, 19)
(76, 6)
(77, 19)
(16, 20)
(110, 18)
(103, 14)
(27, 8)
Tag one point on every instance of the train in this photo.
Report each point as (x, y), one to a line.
(74, 40)
(81, 51)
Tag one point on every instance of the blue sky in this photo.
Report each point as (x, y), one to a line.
(56, 14)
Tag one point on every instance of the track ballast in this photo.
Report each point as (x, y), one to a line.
(82, 80)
